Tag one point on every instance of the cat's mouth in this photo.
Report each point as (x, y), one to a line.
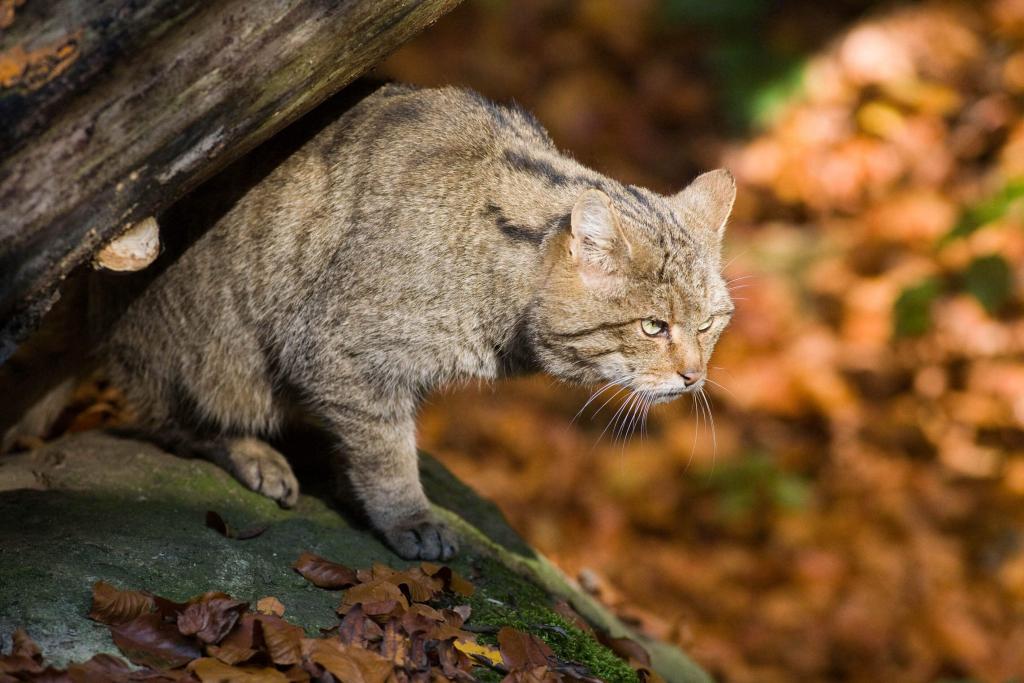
(669, 395)
(673, 393)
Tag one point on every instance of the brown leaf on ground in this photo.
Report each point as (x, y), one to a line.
(522, 651)
(463, 611)
(283, 640)
(113, 606)
(168, 609)
(323, 573)
(47, 675)
(485, 654)
(296, 674)
(23, 646)
(452, 580)
(239, 645)
(564, 609)
(379, 597)
(356, 629)
(94, 417)
(625, 648)
(211, 620)
(19, 665)
(148, 640)
(394, 645)
(102, 668)
(540, 674)
(210, 670)
(417, 585)
(270, 605)
(455, 665)
(219, 524)
(347, 663)
(645, 673)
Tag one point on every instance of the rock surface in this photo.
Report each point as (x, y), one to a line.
(92, 507)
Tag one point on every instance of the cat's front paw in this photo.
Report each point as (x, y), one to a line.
(424, 539)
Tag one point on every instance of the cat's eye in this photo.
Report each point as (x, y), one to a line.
(653, 328)
(705, 326)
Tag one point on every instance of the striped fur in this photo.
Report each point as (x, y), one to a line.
(424, 237)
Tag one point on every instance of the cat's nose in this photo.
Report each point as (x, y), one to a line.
(691, 377)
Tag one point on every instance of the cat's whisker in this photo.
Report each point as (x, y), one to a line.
(613, 420)
(624, 387)
(697, 412)
(590, 400)
(733, 259)
(642, 427)
(620, 431)
(638, 426)
(630, 423)
(720, 386)
(647, 412)
(714, 435)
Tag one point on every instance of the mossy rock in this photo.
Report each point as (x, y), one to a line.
(92, 507)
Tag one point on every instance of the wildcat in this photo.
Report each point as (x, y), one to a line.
(426, 236)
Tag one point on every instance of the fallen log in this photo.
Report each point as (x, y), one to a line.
(110, 110)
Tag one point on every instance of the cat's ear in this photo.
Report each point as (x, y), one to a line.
(707, 201)
(596, 243)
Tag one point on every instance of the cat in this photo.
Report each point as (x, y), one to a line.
(425, 236)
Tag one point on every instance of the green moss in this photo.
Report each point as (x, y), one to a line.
(505, 599)
(126, 513)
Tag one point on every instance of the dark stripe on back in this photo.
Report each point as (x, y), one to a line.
(403, 112)
(512, 231)
(519, 233)
(641, 199)
(536, 167)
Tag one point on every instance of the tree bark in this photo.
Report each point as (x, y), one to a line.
(110, 110)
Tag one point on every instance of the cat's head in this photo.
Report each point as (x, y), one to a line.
(634, 292)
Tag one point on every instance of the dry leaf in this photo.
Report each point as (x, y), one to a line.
(565, 609)
(102, 668)
(347, 663)
(148, 640)
(478, 651)
(451, 579)
(270, 605)
(210, 670)
(219, 524)
(283, 640)
(625, 648)
(395, 645)
(210, 620)
(540, 674)
(523, 651)
(324, 573)
(23, 646)
(239, 645)
(113, 606)
(378, 597)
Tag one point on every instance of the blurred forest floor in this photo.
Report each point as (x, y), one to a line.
(858, 512)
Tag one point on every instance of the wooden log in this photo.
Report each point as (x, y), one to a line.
(112, 109)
